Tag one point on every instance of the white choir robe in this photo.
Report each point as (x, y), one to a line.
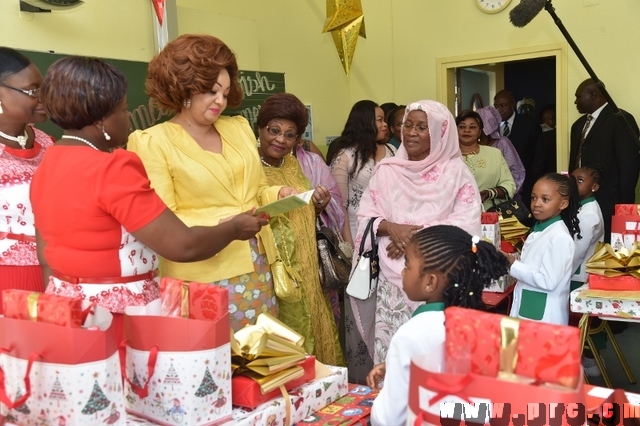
(544, 273)
(418, 336)
(592, 231)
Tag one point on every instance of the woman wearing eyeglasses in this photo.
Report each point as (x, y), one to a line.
(425, 184)
(22, 147)
(205, 167)
(281, 121)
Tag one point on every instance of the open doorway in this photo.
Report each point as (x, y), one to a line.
(540, 72)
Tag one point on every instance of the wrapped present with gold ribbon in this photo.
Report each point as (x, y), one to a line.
(614, 270)
(511, 349)
(271, 355)
(192, 300)
(513, 231)
(41, 307)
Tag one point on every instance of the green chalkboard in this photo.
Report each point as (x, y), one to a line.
(145, 112)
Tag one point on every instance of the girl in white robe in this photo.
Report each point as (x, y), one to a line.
(444, 266)
(545, 268)
(591, 222)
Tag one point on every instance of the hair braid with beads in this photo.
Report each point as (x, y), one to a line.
(449, 250)
(568, 188)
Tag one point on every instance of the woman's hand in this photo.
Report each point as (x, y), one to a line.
(484, 195)
(376, 375)
(394, 251)
(402, 234)
(247, 225)
(321, 197)
(286, 191)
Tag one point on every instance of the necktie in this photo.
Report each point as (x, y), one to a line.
(583, 135)
(506, 130)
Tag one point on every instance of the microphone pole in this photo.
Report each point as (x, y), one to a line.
(616, 111)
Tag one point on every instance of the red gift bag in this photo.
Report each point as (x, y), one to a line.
(176, 370)
(435, 393)
(53, 374)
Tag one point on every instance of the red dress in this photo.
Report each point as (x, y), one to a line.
(86, 205)
(19, 267)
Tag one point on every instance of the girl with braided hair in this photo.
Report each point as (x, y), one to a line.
(444, 266)
(546, 266)
(591, 221)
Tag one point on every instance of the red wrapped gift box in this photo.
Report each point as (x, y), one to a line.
(353, 408)
(193, 300)
(546, 352)
(621, 283)
(41, 307)
(245, 392)
(627, 209)
(489, 218)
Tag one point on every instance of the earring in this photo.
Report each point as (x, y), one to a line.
(186, 103)
(258, 144)
(106, 135)
(1, 108)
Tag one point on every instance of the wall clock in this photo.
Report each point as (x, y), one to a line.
(492, 6)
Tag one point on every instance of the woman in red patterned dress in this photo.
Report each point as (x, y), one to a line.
(21, 149)
(98, 222)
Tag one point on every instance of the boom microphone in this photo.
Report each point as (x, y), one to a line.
(524, 12)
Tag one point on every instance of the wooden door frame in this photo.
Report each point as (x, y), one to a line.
(445, 80)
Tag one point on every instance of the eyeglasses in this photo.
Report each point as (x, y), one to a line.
(420, 128)
(276, 131)
(32, 93)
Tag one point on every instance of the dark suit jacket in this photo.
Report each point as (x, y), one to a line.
(609, 145)
(524, 136)
(545, 158)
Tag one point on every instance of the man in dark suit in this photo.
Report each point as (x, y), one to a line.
(605, 141)
(523, 131)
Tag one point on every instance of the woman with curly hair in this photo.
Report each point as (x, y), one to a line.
(206, 168)
(353, 156)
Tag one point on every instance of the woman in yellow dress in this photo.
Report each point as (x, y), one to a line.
(281, 121)
(205, 168)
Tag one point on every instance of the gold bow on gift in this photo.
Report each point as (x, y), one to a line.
(610, 263)
(512, 230)
(268, 352)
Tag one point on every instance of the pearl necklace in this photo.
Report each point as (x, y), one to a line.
(83, 140)
(269, 165)
(22, 140)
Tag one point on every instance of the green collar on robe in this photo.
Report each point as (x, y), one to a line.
(435, 306)
(541, 226)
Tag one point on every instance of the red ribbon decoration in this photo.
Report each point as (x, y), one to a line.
(445, 389)
(158, 5)
(143, 391)
(4, 398)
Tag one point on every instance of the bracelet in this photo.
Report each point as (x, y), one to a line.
(492, 193)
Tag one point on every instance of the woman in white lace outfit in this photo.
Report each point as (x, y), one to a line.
(353, 156)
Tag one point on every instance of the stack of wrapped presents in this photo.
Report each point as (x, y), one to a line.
(61, 363)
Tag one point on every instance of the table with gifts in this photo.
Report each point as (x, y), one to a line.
(621, 306)
(305, 401)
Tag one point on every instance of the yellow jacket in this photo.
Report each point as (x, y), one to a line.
(202, 188)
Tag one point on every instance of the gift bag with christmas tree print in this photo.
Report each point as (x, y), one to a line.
(57, 375)
(177, 370)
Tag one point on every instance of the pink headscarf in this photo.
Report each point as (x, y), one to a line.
(437, 190)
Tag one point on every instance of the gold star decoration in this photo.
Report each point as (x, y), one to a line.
(345, 20)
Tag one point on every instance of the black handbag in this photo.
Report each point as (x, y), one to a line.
(512, 207)
(334, 258)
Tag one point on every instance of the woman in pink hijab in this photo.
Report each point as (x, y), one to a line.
(425, 184)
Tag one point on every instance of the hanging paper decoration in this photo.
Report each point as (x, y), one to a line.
(345, 20)
(158, 5)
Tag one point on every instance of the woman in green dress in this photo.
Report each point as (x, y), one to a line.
(281, 121)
